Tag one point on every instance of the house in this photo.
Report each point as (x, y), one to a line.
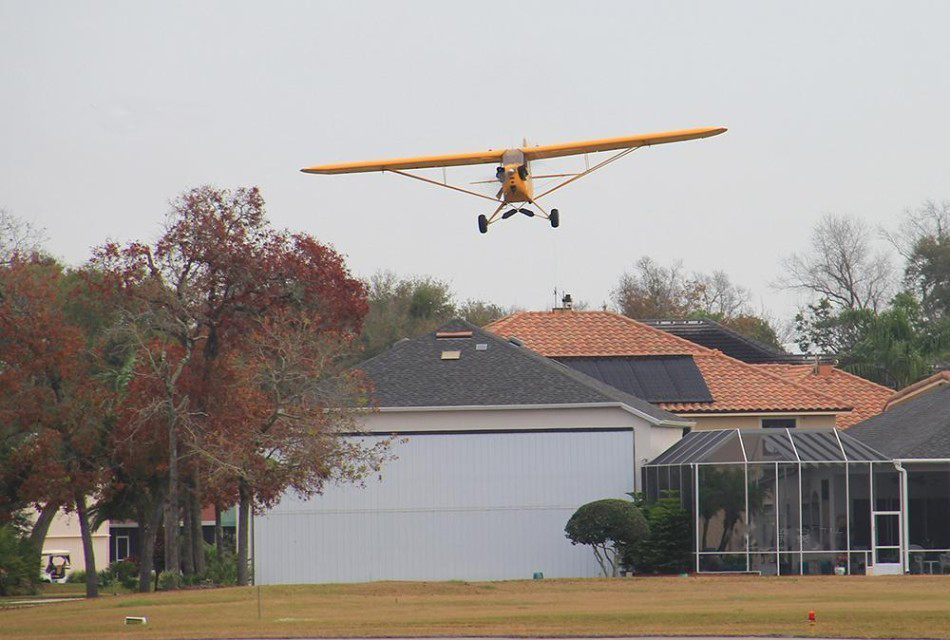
(795, 502)
(915, 423)
(914, 430)
(496, 448)
(705, 385)
(866, 398)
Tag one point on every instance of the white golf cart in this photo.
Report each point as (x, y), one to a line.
(54, 566)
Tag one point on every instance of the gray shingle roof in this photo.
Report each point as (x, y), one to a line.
(917, 428)
(489, 371)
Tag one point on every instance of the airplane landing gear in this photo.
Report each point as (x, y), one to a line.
(484, 221)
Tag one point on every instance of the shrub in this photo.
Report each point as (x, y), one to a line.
(104, 577)
(668, 547)
(220, 572)
(168, 580)
(612, 527)
(125, 572)
(77, 576)
(19, 563)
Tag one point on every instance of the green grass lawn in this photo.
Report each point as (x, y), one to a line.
(886, 607)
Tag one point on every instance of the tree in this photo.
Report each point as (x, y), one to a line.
(403, 308)
(821, 329)
(896, 347)
(611, 527)
(481, 313)
(841, 266)
(201, 297)
(924, 241)
(18, 238)
(655, 292)
(52, 395)
(19, 560)
(668, 547)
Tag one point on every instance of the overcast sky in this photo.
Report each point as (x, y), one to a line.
(110, 109)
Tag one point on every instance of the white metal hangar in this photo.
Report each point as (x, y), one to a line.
(498, 447)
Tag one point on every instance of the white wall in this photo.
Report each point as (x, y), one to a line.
(64, 535)
(469, 507)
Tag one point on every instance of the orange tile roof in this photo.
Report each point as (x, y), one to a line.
(590, 333)
(868, 398)
(736, 387)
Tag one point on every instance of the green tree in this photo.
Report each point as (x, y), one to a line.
(822, 328)
(19, 560)
(924, 241)
(481, 313)
(669, 546)
(403, 308)
(898, 347)
(612, 527)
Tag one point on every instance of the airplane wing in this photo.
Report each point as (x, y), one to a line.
(531, 153)
(420, 162)
(625, 142)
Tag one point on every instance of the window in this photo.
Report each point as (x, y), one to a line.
(121, 547)
(779, 423)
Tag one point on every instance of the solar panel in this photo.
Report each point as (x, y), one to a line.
(652, 378)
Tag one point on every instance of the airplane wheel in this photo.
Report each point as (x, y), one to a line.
(508, 214)
(527, 212)
(555, 218)
(482, 224)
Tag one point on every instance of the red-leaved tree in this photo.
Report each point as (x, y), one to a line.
(217, 285)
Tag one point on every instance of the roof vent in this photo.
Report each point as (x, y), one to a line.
(515, 341)
(445, 335)
(481, 346)
(567, 303)
(451, 355)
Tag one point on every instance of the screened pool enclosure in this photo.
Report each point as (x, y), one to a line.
(791, 502)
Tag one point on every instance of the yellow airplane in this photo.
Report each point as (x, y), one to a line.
(514, 172)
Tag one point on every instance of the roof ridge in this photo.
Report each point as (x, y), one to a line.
(660, 332)
(912, 389)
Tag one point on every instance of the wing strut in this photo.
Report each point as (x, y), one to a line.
(587, 171)
(440, 184)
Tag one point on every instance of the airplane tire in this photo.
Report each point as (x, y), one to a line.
(482, 224)
(527, 212)
(555, 218)
(508, 214)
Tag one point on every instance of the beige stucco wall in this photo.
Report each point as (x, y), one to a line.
(808, 421)
(64, 535)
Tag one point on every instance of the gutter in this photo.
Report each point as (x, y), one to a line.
(520, 407)
(905, 526)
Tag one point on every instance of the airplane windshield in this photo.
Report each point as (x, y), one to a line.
(512, 156)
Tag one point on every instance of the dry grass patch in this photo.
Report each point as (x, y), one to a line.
(903, 606)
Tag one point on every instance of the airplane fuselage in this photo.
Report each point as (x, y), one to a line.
(515, 177)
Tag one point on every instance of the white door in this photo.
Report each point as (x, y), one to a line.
(886, 531)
